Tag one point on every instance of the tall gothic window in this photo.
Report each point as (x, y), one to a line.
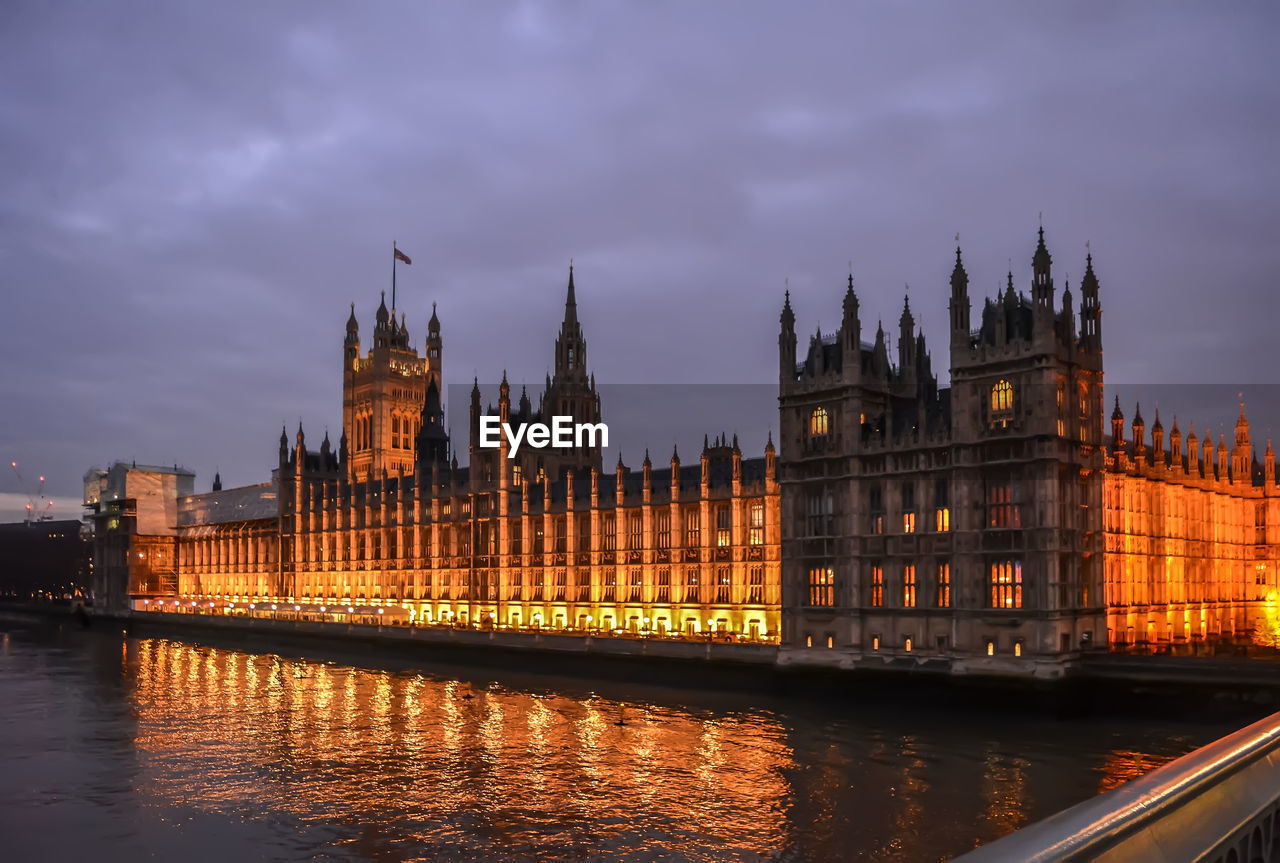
(877, 586)
(942, 593)
(723, 526)
(1001, 403)
(664, 529)
(664, 584)
(692, 527)
(1002, 511)
(909, 586)
(821, 521)
(1006, 584)
(822, 587)
(818, 425)
(755, 585)
(756, 535)
(724, 585)
(609, 532)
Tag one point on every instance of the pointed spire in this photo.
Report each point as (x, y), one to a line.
(1157, 427)
(433, 325)
(959, 278)
(382, 311)
(1137, 414)
(768, 446)
(570, 300)
(1118, 414)
(1089, 284)
(646, 462)
(352, 324)
(675, 452)
(788, 318)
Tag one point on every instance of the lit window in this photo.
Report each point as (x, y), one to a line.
(818, 422)
(943, 593)
(1006, 584)
(906, 644)
(517, 475)
(908, 522)
(756, 535)
(1017, 648)
(875, 642)
(909, 586)
(822, 591)
(877, 586)
(991, 647)
(755, 585)
(723, 527)
(831, 641)
(1002, 403)
(942, 519)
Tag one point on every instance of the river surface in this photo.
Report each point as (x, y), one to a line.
(116, 748)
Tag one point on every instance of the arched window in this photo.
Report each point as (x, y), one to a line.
(818, 422)
(1001, 403)
(1002, 397)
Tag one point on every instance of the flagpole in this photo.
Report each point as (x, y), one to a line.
(393, 275)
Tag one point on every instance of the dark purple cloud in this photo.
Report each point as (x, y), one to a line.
(191, 193)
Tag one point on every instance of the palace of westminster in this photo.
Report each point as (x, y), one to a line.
(992, 521)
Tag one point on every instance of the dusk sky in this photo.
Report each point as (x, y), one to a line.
(191, 194)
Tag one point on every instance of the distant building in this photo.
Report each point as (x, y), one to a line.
(134, 511)
(45, 559)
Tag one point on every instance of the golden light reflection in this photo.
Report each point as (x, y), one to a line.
(410, 761)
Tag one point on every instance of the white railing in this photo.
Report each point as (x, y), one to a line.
(1218, 804)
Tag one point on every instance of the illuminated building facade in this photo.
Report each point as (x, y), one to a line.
(1191, 536)
(956, 524)
(389, 526)
(990, 525)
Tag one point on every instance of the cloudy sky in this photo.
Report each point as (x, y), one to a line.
(192, 193)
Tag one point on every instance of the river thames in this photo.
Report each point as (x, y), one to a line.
(120, 748)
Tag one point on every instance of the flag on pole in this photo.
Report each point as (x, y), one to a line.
(402, 256)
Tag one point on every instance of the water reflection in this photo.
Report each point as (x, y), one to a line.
(293, 756)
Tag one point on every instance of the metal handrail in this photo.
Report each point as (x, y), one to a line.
(1095, 825)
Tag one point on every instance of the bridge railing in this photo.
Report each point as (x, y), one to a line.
(1218, 804)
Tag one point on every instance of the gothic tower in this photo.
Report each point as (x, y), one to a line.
(384, 394)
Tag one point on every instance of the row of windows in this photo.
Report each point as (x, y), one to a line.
(689, 585)
(403, 431)
(1002, 512)
(457, 538)
(1004, 582)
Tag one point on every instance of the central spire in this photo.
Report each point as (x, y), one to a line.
(570, 301)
